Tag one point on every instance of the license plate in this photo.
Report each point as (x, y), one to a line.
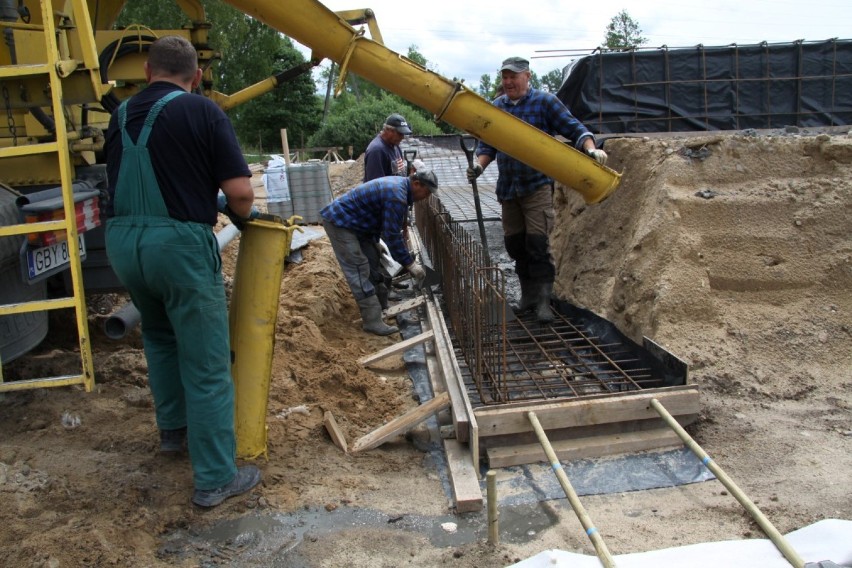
(50, 259)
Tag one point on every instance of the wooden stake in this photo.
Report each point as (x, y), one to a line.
(493, 515)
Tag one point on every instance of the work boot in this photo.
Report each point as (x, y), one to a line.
(247, 477)
(529, 300)
(371, 315)
(543, 313)
(173, 441)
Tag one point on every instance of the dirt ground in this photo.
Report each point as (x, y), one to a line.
(734, 252)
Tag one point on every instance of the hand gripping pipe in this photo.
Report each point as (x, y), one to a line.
(330, 36)
(127, 317)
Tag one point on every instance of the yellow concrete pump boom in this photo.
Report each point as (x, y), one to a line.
(330, 36)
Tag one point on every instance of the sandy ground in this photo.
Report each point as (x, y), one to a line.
(733, 252)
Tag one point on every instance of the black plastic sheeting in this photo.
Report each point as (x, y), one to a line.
(762, 86)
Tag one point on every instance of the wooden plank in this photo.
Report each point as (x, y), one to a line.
(402, 424)
(334, 431)
(396, 348)
(595, 446)
(620, 407)
(461, 409)
(401, 307)
(464, 478)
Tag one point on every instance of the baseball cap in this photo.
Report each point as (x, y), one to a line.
(428, 178)
(515, 64)
(398, 123)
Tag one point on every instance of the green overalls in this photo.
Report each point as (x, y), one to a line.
(173, 272)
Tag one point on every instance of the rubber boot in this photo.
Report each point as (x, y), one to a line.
(371, 315)
(528, 298)
(543, 313)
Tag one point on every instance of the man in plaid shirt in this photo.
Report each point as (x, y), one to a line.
(526, 195)
(354, 223)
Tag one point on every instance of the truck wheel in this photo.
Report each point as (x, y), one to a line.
(19, 333)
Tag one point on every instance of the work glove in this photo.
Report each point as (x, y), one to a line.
(239, 222)
(474, 172)
(598, 155)
(417, 272)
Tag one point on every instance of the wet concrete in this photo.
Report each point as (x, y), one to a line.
(274, 539)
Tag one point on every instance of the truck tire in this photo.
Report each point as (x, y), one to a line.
(19, 333)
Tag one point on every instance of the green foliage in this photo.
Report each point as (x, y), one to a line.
(249, 52)
(293, 105)
(551, 81)
(623, 32)
(356, 123)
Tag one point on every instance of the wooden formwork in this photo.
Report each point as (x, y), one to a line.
(591, 426)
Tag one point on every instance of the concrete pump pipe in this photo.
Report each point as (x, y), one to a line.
(330, 36)
(252, 318)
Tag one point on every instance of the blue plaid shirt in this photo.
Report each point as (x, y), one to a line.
(378, 208)
(547, 113)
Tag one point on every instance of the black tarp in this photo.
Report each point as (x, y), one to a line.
(805, 84)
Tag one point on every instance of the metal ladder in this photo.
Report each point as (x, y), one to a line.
(13, 78)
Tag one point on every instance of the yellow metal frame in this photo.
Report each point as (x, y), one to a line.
(55, 69)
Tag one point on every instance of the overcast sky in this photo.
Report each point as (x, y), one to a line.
(466, 38)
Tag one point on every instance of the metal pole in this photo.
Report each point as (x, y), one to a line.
(776, 537)
(600, 547)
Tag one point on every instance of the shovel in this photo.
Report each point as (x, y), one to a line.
(409, 156)
(468, 144)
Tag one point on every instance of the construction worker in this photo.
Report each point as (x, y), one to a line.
(354, 223)
(526, 195)
(168, 154)
(383, 156)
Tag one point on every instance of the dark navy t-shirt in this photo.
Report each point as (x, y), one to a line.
(193, 148)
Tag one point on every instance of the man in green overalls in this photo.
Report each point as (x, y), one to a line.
(168, 154)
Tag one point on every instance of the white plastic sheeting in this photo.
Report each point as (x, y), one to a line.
(825, 540)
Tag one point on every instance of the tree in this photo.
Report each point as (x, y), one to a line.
(551, 81)
(355, 123)
(250, 52)
(294, 105)
(623, 32)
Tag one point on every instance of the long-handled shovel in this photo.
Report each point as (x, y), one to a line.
(468, 144)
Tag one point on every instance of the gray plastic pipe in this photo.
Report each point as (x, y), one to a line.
(127, 317)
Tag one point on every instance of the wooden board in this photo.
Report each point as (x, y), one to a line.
(334, 431)
(464, 478)
(594, 446)
(461, 408)
(401, 425)
(405, 306)
(396, 348)
(622, 407)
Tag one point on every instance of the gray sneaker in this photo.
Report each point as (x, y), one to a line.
(247, 477)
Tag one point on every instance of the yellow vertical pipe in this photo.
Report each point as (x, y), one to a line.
(328, 35)
(252, 318)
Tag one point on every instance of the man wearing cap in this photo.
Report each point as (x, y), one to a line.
(383, 156)
(354, 223)
(526, 195)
